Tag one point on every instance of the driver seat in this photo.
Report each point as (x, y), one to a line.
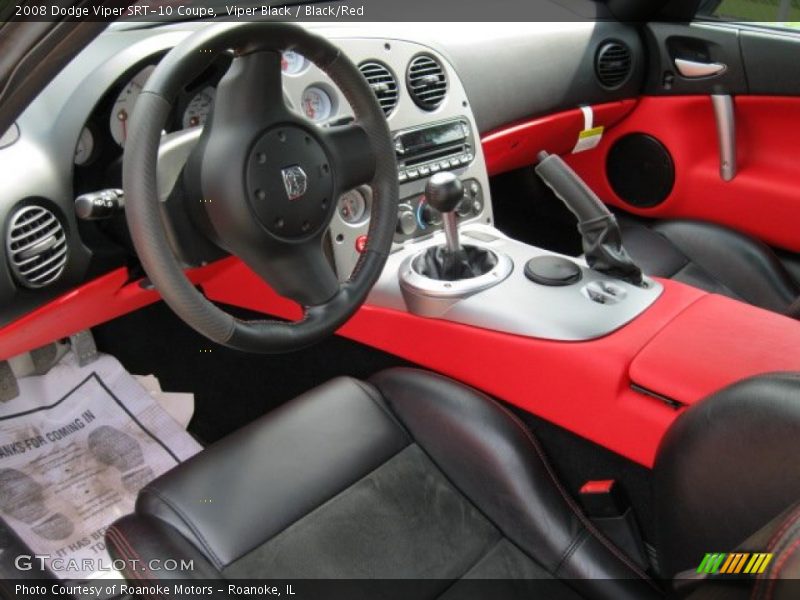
(409, 476)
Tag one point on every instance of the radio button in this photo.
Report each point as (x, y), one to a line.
(444, 165)
(434, 167)
(412, 173)
(424, 171)
(402, 176)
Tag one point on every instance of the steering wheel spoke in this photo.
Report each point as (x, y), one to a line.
(351, 154)
(250, 93)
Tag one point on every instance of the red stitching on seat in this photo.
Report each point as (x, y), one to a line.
(125, 548)
(776, 571)
(790, 520)
(570, 502)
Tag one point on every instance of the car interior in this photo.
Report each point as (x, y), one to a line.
(448, 310)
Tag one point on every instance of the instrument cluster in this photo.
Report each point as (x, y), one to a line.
(107, 130)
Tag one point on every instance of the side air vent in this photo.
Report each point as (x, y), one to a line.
(613, 64)
(426, 81)
(383, 84)
(36, 246)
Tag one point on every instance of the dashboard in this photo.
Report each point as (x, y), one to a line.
(439, 97)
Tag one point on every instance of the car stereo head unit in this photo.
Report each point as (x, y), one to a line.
(431, 148)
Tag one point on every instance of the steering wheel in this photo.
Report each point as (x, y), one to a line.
(269, 182)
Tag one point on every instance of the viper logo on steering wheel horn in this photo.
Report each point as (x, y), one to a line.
(295, 181)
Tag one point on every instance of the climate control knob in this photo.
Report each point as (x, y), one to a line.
(406, 221)
(430, 216)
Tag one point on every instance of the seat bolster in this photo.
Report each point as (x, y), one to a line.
(146, 545)
(728, 462)
(494, 460)
(745, 265)
(248, 487)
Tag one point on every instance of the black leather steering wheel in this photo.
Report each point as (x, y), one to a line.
(269, 182)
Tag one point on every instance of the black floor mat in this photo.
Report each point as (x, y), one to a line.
(231, 388)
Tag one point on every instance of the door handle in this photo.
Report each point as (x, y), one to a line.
(692, 69)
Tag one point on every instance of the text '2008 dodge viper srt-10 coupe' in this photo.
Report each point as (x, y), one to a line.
(320, 300)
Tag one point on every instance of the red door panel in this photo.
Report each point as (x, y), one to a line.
(763, 199)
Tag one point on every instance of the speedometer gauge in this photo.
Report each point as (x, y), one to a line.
(293, 63)
(317, 104)
(199, 108)
(123, 106)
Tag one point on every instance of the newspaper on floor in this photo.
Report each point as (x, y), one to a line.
(76, 446)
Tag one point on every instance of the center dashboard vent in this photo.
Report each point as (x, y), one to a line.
(613, 64)
(36, 246)
(383, 84)
(426, 81)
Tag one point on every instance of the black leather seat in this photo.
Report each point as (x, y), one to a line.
(409, 476)
(712, 258)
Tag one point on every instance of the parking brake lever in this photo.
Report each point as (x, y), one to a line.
(601, 237)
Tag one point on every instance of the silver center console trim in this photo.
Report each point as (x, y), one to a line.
(594, 307)
(433, 298)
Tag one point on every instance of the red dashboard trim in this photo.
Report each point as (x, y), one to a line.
(517, 145)
(582, 386)
(102, 299)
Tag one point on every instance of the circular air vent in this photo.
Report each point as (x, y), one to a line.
(426, 81)
(36, 246)
(383, 84)
(613, 64)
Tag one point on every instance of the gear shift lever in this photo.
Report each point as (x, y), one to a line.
(443, 192)
(451, 262)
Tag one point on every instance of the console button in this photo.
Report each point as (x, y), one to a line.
(361, 244)
(424, 171)
(402, 176)
(412, 173)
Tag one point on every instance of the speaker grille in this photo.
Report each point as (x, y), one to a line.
(36, 246)
(427, 82)
(640, 170)
(613, 64)
(383, 84)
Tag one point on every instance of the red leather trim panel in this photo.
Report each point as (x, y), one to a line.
(102, 299)
(581, 386)
(685, 346)
(517, 145)
(763, 199)
(714, 343)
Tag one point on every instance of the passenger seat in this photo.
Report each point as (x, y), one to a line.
(713, 258)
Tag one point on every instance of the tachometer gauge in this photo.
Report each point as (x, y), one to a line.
(317, 104)
(352, 207)
(199, 108)
(123, 106)
(293, 63)
(85, 147)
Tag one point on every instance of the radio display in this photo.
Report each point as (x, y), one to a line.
(420, 140)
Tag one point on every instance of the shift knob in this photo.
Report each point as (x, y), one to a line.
(444, 191)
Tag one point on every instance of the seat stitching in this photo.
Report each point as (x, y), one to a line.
(189, 524)
(790, 520)
(548, 469)
(571, 548)
(569, 501)
(781, 563)
(125, 549)
(371, 393)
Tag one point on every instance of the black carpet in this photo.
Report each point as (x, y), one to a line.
(231, 388)
(526, 210)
